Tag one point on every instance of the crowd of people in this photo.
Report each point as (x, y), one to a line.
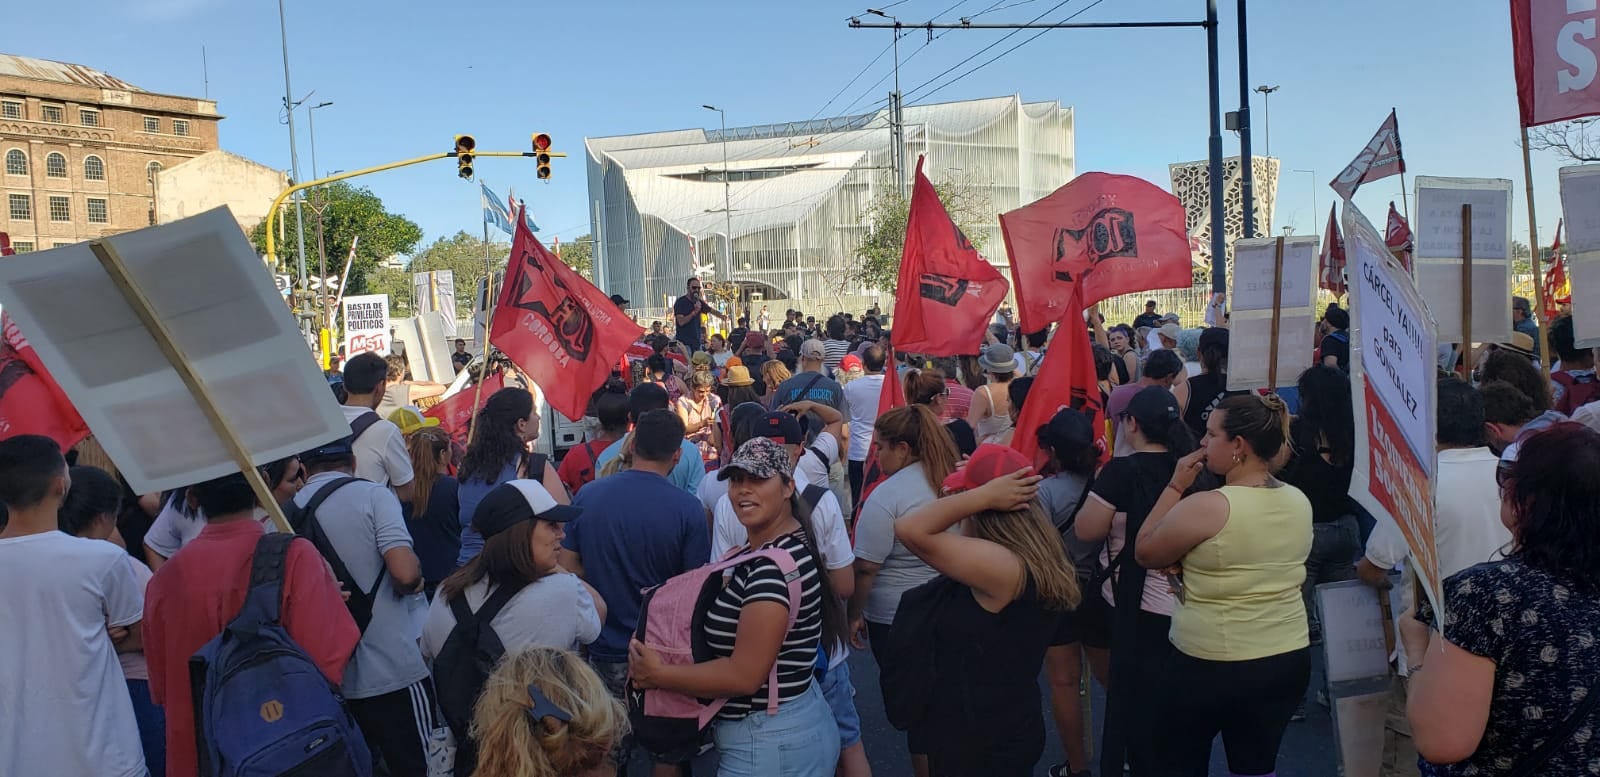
(480, 610)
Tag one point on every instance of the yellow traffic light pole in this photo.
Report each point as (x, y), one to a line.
(272, 254)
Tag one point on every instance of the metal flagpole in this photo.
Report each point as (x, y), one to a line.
(488, 325)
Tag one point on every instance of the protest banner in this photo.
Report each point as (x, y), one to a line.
(1580, 203)
(177, 350)
(1357, 639)
(957, 291)
(366, 324)
(1274, 311)
(455, 412)
(1393, 385)
(1440, 254)
(1553, 48)
(435, 291)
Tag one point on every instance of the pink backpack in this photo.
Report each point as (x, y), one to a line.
(672, 622)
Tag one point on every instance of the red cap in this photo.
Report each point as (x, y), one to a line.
(988, 462)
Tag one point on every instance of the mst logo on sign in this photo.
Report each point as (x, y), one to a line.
(1108, 234)
(573, 327)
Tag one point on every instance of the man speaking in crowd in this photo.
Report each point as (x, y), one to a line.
(686, 313)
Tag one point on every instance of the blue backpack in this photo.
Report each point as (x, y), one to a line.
(262, 708)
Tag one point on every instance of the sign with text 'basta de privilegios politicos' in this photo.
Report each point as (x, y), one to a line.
(1393, 383)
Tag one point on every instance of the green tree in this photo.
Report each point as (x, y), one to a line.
(347, 211)
(464, 256)
(878, 256)
(1521, 258)
(579, 255)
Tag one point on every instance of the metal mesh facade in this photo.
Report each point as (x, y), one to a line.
(1191, 182)
(800, 192)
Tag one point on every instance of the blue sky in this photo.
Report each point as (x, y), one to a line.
(406, 75)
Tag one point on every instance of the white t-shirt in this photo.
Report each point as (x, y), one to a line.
(134, 667)
(833, 540)
(863, 394)
(67, 709)
(710, 490)
(813, 469)
(381, 454)
(554, 611)
(172, 530)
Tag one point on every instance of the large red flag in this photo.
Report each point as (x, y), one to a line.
(1380, 159)
(1330, 266)
(1099, 236)
(455, 413)
(1553, 48)
(947, 292)
(30, 400)
(892, 395)
(1066, 379)
(1397, 237)
(556, 326)
(1557, 290)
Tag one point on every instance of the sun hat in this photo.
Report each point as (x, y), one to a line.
(516, 501)
(410, 419)
(998, 357)
(1170, 331)
(758, 457)
(738, 375)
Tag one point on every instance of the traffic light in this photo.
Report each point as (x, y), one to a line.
(464, 148)
(541, 154)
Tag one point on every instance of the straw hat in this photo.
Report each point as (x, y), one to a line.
(738, 375)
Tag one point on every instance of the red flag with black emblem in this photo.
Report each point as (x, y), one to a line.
(556, 326)
(947, 292)
(1097, 237)
(30, 400)
(1330, 272)
(455, 413)
(1066, 379)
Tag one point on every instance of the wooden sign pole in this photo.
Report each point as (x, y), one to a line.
(1277, 315)
(483, 370)
(1466, 291)
(1545, 357)
(111, 260)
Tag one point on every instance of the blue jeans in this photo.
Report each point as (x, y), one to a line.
(841, 696)
(781, 745)
(152, 722)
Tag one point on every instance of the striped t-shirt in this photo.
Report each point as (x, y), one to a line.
(760, 581)
(833, 352)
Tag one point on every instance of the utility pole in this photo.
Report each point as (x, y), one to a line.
(727, 193)
(1266, 105)
(1219, 278)
(294, 154)
(897, 125)
(1247, 167)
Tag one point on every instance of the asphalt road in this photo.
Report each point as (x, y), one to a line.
(1308, 747)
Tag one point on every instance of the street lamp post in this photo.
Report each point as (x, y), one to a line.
(727, 192)
(1266, 108)
(311, 116)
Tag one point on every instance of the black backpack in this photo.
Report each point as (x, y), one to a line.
(909, 679)
(304, 522)
(464, 663)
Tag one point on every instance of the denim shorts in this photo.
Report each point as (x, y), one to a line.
(781, 745)
(841, 696)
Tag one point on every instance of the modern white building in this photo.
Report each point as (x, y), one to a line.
(798, 194)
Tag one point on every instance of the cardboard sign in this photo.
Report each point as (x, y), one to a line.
(1393, 386)
(1357, 658)
(204, 283)
(366, 324)
(1439, 253)
(435, 291)
(1580, 205)
(1250, 338)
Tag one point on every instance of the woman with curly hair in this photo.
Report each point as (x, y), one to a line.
(499, 452)
(545, 713)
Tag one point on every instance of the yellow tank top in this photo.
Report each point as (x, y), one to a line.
(1243, 585)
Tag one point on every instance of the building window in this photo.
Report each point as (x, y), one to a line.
(16, 162)
(55, 165)
(180, 127)
(54, 114)
(152, 124)
(97, 210)
(21, 207)
(59, 244)
(60, 209)
(12, 109)
(88, 118)
(22, 246)
(151, 169)
(94, 169)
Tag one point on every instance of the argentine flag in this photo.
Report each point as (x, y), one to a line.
(494, 211)
(527, 214)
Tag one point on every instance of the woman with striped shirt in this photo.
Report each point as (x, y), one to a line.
(747, 627)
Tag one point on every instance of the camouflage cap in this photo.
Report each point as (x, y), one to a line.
(759, 457)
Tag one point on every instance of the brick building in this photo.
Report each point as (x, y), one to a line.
(80, 149)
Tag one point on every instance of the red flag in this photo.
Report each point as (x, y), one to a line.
(30, 400)
(1552, 45)
(556, 326)
(1100, 235)
(892, 395)
(1066, 379)
(1397, 237)
(1380, 159)
(1330, 273)
(455, 414)
(947, 292)
(1557, 290)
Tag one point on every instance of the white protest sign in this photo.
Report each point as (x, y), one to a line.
(1439, 255)
(204, 282)
(1356, 648)
(1251, 325)
(424, 346)
(1580, 205)
(435, 290)
(1393, 385)
(366, 324)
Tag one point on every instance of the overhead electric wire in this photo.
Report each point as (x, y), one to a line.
(996, 57)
